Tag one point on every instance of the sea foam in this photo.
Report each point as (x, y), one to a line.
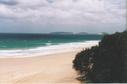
(46, 50)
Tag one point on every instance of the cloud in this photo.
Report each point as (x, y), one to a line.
(8, 2)
(64, 12)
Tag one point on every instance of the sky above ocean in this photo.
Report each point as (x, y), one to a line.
(42, 16)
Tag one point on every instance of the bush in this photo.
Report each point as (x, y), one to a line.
(105, 63)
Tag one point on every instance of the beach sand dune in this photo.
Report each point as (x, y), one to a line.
(50, 69)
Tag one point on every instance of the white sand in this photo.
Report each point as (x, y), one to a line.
(40, 69)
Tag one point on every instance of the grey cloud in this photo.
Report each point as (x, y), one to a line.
(63, 12)
(8, 2)
(50, 1)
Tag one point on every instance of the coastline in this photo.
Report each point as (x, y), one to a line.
(41, 69)
(46, 50)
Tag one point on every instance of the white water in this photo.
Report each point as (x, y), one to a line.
(46, 50)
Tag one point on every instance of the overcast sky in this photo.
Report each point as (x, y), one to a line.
(41, 16)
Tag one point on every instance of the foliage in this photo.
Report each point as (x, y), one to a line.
(105, 63)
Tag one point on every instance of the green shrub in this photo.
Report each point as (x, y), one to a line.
(105, 63)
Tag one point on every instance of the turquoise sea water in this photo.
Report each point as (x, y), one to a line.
(21, 41)
(26, 45)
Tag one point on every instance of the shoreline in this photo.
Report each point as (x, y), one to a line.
(40, 69)
(46, 50)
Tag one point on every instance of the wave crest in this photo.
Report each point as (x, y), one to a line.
(46, 50)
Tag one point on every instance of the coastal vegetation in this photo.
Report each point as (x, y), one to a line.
(104, 63)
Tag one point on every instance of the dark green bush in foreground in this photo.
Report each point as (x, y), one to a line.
(105, 63)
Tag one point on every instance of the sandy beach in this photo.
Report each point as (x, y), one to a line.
(40, 69)
(37, 70)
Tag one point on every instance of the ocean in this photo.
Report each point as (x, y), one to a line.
(25, 44)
